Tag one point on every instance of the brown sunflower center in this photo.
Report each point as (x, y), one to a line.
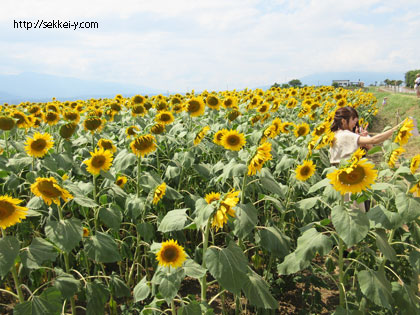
(304, 171)
(165, 117)
(67, 130)
(93, 123)
(107, 145)
(6, 209)
(356, 176)
(98, 161)
(131, 131)
(301, 131)
(170, 253)
(51, 116)
(71, 116)
(212, 101)
(138, 99)
(142, 144)
(47, 189)
(38, 145)
(233, 140)
(193, 106)
(20, 118)
(139, 109)
(6, 123)
(228, 102)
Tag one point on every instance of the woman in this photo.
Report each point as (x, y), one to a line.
(346, 141)
(417, 84)
(348, 138)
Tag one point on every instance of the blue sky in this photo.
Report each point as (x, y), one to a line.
(214, 45)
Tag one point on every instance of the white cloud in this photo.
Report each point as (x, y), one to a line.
(211, 44)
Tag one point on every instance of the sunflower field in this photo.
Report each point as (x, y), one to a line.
(208, 203)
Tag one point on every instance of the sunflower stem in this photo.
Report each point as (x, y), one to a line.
(93, 142)
(17, 284)
(203, 264)
(244, 182)
(15, 276)
(173, 309)
(138, 175)
(341, 264)
(6, 143)
(67, 264)
(94, 188)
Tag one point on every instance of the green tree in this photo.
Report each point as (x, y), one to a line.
(410, 76)
(295, 83)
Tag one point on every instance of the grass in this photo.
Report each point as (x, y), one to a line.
(398, 107)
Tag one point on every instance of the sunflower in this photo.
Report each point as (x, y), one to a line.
(229, 102)
(201, 134)
(305, 171)
(100, 160)
(405, 132)
(213, 102)
(93, 123)
(158, 128)
(358, 155)
(253, 120)
(277, 124)
(39, 145)
(52, 118)
(161, 106)
(67, 130)
(6, 123)
(121, 181)
(195, 107)
(171, 254)
(393, 158)
(263, 108)
(34, 110)
(286, 127)
(164, 117)
(213, 196)
(225, 209)
(21, 119)
(414, 163)
(159, 193)
(291, 103)
(143, 145)
(138, 110)
(233, 140)
(218, 136)
(10, 212)
(233, 114)
(72, 116)
(107, 145)
(301, 130)
(416, 189)
(138, 99)
(131, 131)
(85, 232)
(49, 190)
(262, 155)
(353, 179)
(178, 108)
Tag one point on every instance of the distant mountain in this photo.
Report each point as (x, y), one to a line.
(36, 87)
(326, 78)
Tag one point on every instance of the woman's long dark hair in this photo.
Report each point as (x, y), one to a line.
(343, 113)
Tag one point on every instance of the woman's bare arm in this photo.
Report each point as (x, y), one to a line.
(379, 138)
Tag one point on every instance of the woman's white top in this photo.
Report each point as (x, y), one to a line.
(344, 145)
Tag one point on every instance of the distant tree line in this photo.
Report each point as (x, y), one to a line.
(291, 83)
(389, 82)
(410, 76)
